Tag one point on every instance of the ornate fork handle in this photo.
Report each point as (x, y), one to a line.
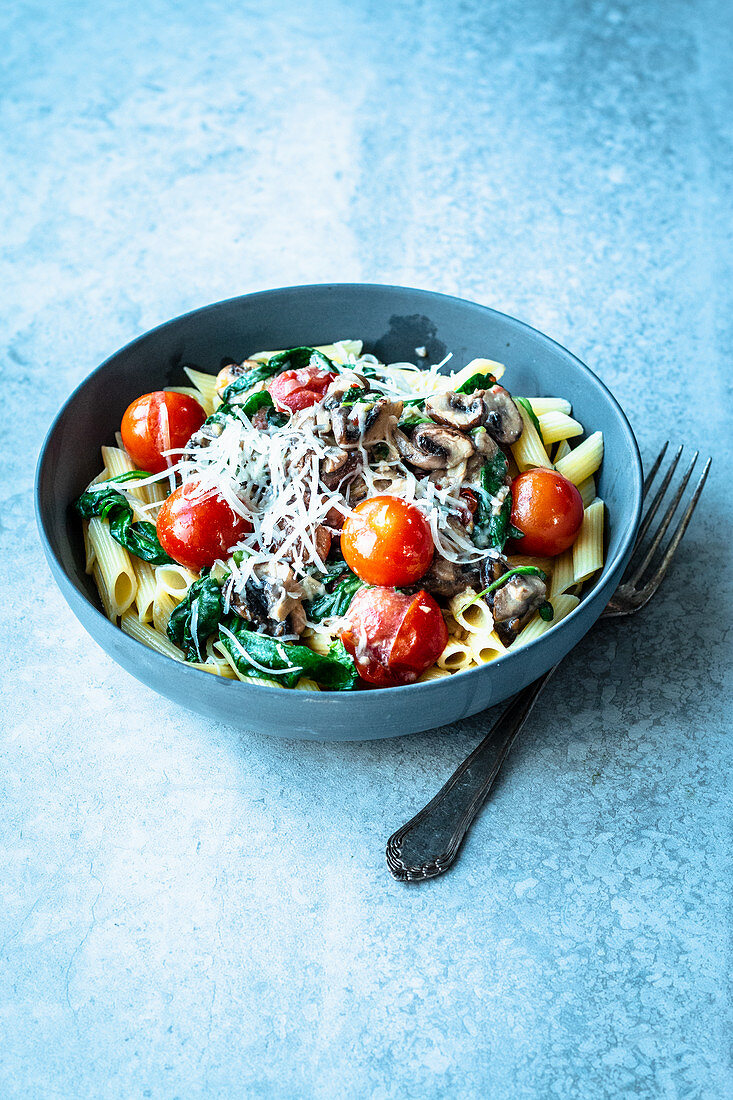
(427, 845)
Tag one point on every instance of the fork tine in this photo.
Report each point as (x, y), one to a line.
(674, 542)
(658, 498)
(666, 520)
(653, 472)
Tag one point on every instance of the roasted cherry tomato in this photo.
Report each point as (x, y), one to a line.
(195, 528)
(392, 637)
(548, 509)
(299, 389)
(158, 422)
(387, 541)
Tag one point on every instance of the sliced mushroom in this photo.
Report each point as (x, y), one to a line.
(363, 424)
(346, 380)
(513, 604)
(206, 434)
(231, 371)
(502, 421)
(448, 578)
(457, 410)
(272, 600)
(484, 444)
(338, 467)
(432, 447)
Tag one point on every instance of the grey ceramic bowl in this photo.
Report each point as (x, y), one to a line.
(392, 321)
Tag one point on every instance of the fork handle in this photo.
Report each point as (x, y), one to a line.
(427, 845)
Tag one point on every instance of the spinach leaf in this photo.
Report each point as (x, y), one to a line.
(490, 530)
(141, 538)
(196, 618)
(477, 382)
(530, 413)
(411, 417)
(335, 671)
(353, 395)
(256, 401)
(341, 587)
(546, 611)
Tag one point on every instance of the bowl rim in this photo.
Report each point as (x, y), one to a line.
(611, 567)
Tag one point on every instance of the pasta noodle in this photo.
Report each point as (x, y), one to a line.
(562, 606)
(114, 565)
(557, 425)
(588, 547)
(205, 385)
(583, 461)
(563, 575)
(541, 405)
(146, 588)
(485, 646)
(529, 449)
(587, 490)
(562, 449)
(456, 656)
(472, 614)
(146, 634)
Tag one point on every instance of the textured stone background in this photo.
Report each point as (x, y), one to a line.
(191, 910)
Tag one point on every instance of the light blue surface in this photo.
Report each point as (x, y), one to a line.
(191, 911)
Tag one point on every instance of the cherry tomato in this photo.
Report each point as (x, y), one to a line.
(158, 422)
(299, 389)
(548, 509)
(387, 541)
(196, 529)
(393, 638)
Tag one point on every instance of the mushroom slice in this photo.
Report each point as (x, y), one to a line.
(231, 371)
(272, 600)
(363, 424)
(433, 447)
(448, 578)
(346, 380)
(502, 421)
(484, 444)
(457, 410)
(513, 604)
(339, 466)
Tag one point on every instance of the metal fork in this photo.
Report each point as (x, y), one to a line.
(429, 843)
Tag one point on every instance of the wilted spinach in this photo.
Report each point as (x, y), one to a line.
(196, 618)
(489, 529)
(477, 382)
(139, 538)
(341, 587)
(335, 671)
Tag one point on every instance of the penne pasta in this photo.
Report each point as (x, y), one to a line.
(433, 673)
(146, 588)
(90, 554)
(563, 574)
(529, 450)
(205, 386)
(485, 646)
(562, 606)
(555, 426)
(114, 565)
(476, 366)
(472, 615)
(340, 352)
(149, 636)
(541, 405)
(304, 684)
(175, 580)
(562, 449)
(588, 547)
(164, 604)
(104, 594)
(583, 461)
(587, 490)
(456, 656)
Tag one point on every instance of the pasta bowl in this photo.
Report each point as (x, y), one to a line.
(393, 322)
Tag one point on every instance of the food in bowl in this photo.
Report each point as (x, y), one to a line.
(313, 518)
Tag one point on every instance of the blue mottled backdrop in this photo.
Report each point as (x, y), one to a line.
(190, 910)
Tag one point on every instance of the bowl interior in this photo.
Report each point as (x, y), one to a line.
(392, 322)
